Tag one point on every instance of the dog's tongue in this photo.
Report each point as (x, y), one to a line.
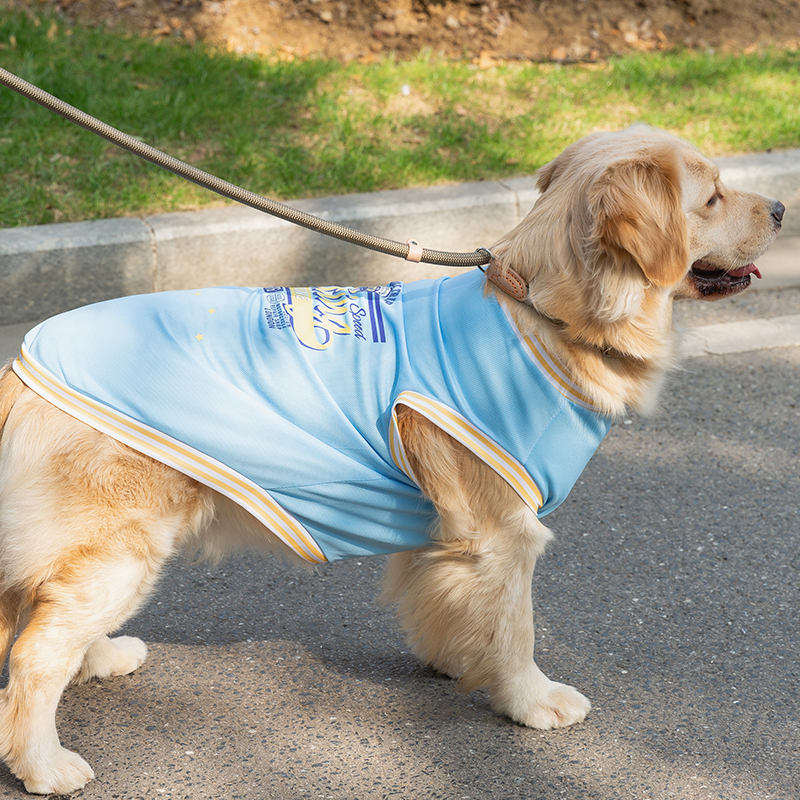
(750, 269)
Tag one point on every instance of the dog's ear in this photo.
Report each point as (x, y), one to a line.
(637, 209)
(546, 175)
(550, 172)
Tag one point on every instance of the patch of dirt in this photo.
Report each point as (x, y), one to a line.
(484, 30)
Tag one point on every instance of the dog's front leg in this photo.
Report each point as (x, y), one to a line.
(465, 602)
(468, 613)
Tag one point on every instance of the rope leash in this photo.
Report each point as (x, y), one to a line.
(409, 250)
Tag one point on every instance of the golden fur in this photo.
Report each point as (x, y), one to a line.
(86, 524)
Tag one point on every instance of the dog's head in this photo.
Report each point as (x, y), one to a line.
(627, 220)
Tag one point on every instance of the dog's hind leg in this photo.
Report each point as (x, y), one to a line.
(65, 637)
(70, 612)
(85, 526)
(465, 602)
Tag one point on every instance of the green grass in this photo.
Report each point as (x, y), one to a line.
(311, 128)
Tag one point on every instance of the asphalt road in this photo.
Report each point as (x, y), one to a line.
(671, 597)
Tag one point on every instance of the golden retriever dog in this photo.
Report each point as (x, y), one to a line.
(625, 223)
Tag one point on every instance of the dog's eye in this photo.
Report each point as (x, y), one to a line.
(713, 200)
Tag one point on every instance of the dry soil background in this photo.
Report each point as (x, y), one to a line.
(558, 30)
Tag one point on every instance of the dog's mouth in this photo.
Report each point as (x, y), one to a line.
(711, 281)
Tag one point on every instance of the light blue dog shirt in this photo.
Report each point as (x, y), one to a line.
(284, 399)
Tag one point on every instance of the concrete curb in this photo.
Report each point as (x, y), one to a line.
(47, 269)
(743, 336)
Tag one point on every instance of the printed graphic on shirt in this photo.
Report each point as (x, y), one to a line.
(318, 314)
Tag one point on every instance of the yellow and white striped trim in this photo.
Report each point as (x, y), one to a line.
(461, 429)
(396, 447)
(551, 367)
(173, 453)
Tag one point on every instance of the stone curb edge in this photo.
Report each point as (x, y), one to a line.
(742, 336)
(47, 269)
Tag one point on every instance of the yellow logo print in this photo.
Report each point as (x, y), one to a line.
(317, 314)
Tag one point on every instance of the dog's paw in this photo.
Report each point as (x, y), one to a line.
(560, 706)
(65, 772)
(532, 699)
(131, 654)
(107, 657)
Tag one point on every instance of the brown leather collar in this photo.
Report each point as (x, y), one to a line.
(507, 279)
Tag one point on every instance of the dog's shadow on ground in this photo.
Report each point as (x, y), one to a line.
(253, 597)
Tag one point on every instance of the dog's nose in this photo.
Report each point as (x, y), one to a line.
(778, 210)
